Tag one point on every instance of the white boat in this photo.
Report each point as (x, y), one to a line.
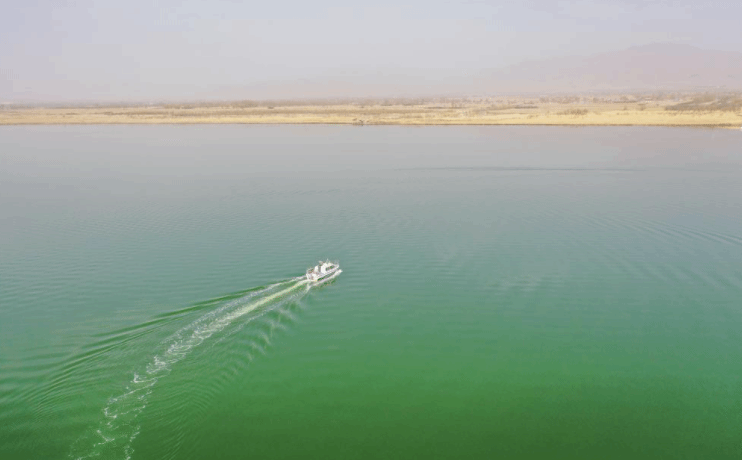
(323, 271)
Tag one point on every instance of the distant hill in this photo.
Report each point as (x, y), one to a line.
(656, 67)
(640, 68)
(648, 67)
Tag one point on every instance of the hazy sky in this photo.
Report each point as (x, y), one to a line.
(63, 50)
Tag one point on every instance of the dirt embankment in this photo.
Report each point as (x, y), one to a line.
(711, 110)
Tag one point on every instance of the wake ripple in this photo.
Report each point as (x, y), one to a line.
(114, 435)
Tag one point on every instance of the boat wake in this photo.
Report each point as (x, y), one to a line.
(114, 435)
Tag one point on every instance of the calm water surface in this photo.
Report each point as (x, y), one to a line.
(507, 292)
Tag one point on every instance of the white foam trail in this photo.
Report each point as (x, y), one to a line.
(118, 429)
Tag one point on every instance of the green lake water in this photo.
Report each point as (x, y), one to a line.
(507, 292)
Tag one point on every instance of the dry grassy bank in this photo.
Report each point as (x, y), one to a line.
(690, 110)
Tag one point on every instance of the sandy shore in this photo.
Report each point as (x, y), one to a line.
(483, 113)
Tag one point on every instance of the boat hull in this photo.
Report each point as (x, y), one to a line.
(327, 277)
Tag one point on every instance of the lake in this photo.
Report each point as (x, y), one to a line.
(511, 292)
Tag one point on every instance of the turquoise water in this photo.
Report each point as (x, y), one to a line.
(524, 292)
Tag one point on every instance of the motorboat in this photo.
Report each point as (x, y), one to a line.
(323, 271)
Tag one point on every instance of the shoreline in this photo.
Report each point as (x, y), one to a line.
(518, 113)
(323, 123)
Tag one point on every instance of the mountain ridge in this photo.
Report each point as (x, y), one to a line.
(657, 66)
